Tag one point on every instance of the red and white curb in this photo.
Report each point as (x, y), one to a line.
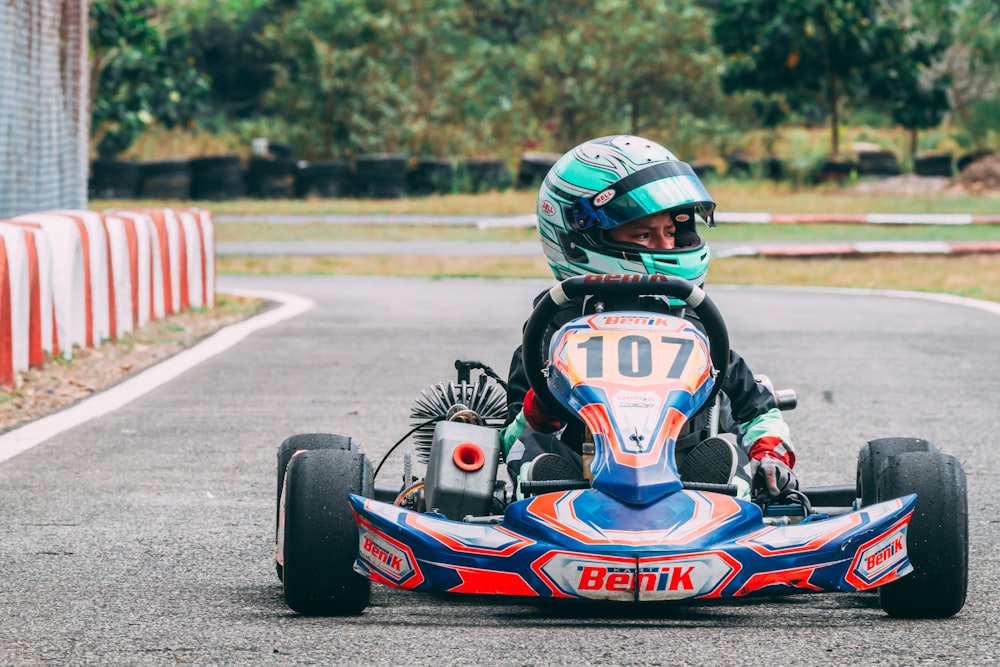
(857, 219)
(750, 218)
(860, 248)
(76, 278)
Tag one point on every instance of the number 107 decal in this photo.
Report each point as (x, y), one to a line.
(633, 356)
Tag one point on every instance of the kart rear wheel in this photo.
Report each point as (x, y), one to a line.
(294, 443)
(937, 538)
(320, 536)
(874, 454)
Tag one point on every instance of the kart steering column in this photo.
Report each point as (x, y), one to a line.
(623, 286)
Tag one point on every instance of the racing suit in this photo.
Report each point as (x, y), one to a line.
(747, 409)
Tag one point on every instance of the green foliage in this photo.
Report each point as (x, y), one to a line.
(593, 80)
(973, 65)
(488, 78)
(356, 73)
(980, 126)
(227, 41)
(827, 51)
(196, 13)
(140, 74)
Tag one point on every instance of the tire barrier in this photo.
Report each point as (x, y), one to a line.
(432, 176)
(835, 170)
(217, 178)
(705, 170)
(878, 163)
(533, 168)
(77, 278)
(738, 165)
(380, 175)
(268, 178)
(113, 179)
(934, 164)
(483, 175)
(276, 174)
(165, 179)
(325, 178)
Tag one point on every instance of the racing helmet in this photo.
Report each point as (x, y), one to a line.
(610, 181)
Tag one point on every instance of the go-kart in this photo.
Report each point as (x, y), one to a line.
(631, 530)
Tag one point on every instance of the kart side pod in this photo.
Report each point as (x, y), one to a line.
(462, 469)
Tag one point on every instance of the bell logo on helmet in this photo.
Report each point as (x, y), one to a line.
(682, 217)
(548, 208)
(604, 197)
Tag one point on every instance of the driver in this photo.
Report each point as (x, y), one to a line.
(624, 204)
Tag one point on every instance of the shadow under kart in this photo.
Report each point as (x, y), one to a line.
(632, 531)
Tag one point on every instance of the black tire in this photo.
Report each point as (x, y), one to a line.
(165, 179)
(327, 179)
(113, 179)
(705, 170)
(878, 163)
(271, 178)
(281, 150)
(321, 538)
(937, 538)
(834, 170)
(381, 175)
(533, 168)
(934, 164)
(432, 176)
(217, 177)
(303, 441)
(874, 454)
(738, 166)
(484, 175)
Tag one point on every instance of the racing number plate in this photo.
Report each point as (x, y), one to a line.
(635, 358)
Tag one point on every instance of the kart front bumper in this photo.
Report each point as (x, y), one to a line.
(584, 544)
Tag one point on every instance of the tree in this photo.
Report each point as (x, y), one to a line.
(362, 76)
(228, 45)
(638, 66)
(918, 96)
(139, 74)
(826, 51)
(972, 65)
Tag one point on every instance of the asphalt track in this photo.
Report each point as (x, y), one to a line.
(144, 535)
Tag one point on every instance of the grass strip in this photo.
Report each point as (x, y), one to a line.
(973, 276)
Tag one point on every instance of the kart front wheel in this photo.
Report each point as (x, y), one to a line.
(937, 538)
(320, 536)
(874, 454)
(299, 442)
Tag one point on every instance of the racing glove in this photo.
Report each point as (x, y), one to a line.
(774, 460)
(536, 415)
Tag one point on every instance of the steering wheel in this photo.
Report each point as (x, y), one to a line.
(613, 286)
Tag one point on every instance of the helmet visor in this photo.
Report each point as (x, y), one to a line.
(656, 188)
(666, 193)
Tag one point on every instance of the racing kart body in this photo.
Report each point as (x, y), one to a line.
(631, 530)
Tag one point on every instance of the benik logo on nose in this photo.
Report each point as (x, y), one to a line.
(662, 578)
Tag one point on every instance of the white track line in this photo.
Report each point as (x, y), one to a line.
(33, 433)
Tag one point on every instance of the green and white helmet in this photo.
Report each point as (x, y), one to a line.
(610, 181)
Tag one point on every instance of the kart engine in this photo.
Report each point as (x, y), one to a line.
(482, 401)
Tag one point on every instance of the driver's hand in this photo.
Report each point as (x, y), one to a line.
(772, 459)
(537, 417)
(774, 478)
